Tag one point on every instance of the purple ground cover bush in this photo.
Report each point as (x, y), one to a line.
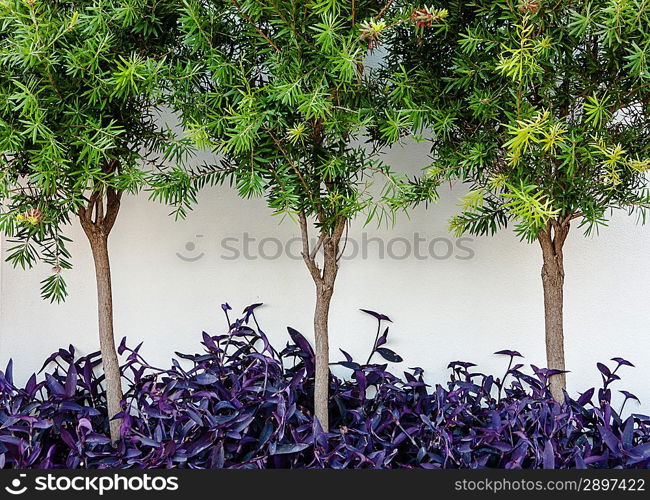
(243, 404)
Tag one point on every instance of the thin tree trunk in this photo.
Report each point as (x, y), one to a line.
(114, 394)
(552, 243)
(324, 280)
(97, 220)
(321, 332)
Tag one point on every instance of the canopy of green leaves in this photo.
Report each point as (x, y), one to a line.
(79, 85)
(542, 107)
(284, 92)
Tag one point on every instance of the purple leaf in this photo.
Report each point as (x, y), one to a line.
(586, 396)
(250, 310)
(513, 354)
(622, 361)
(604, 370)
(609, 439)
(640, 452)
(291, 448)
(389, 355)
(549, 456)
(71, 381)
(378, 316)
(629, 395)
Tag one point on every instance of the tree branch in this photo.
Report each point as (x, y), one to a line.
(113, 200)
(313, 268)
(384, 9)
(316, 248)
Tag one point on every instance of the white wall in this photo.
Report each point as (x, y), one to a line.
(442, 310)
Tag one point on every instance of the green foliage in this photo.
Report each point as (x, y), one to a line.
(290, 96)
(545, 105)
(80, 82)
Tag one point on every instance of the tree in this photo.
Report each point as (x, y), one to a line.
(79, 82)
(542, 108)
(280, 89)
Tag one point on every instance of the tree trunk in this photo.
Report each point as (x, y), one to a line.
(322, 375)
(324, 280)
(552, 243)
(97, 220)
(114, 394)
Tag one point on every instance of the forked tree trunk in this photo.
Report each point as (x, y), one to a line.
(324, 281)
(97, 223)
(552, 243)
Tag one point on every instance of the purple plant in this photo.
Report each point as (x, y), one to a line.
(242, 404)
(57, 422)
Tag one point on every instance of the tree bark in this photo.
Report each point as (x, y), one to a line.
(97, 221)
(324, 280)
(552, 242)
(322, 374)
(99, 247)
